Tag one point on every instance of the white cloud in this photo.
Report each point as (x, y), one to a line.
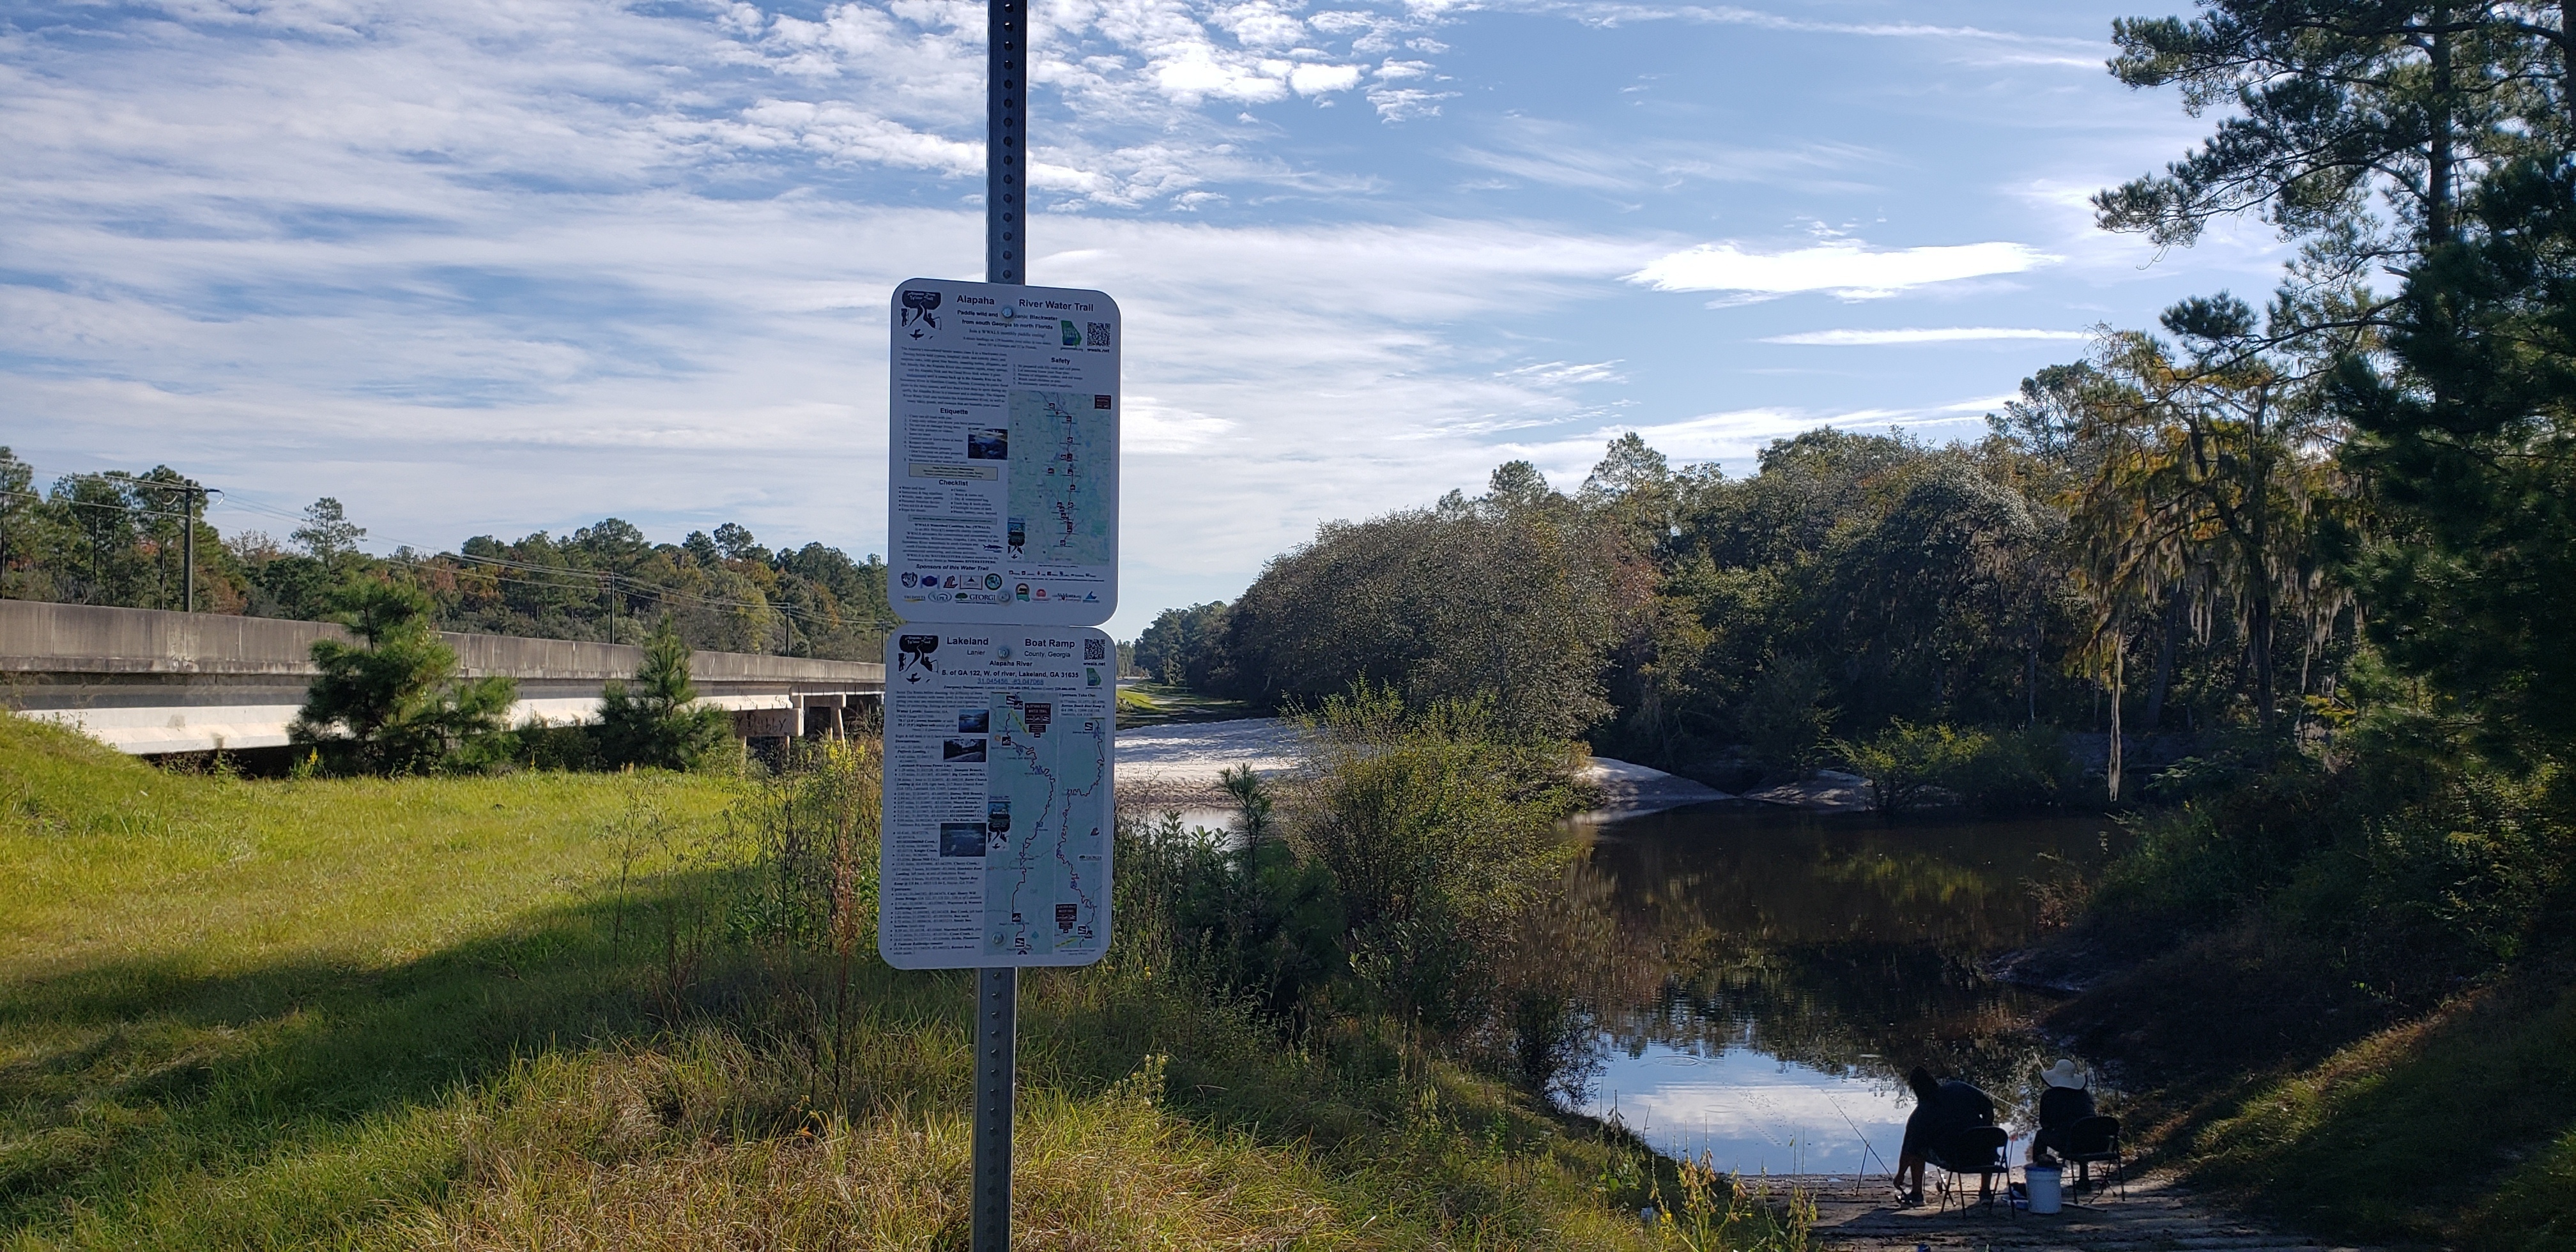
(1312, 80)
(1260, 25)
(1936, 334)
(1150, 427)
(1843, 267)
(1403, 104)
(842, 133)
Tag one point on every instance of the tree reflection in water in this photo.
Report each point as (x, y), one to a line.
(1841, 945)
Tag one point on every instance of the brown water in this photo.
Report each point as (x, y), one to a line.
(1791, 966)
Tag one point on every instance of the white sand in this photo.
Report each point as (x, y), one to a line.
(1189, 757)
(1194, 753)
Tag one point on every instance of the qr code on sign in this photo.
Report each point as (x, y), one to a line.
(1095, 650)
(1099, 334)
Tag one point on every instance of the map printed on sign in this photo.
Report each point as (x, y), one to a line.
(998, 800)
(1004, 500)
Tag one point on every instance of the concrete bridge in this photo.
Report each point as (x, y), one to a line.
(150, 682)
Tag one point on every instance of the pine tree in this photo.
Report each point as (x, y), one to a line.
(657, 722)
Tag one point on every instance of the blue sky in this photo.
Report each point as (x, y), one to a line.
(476, 267)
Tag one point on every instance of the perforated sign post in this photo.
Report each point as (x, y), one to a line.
(1001, 696)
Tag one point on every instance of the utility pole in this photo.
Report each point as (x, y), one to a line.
(192, 497)
(997, 992)
(188, 547)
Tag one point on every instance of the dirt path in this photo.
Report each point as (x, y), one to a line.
(2156, 1214)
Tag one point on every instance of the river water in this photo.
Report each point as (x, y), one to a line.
(1781, 970)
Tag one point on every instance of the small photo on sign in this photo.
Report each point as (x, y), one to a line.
(974, 721)
(962, 751)
(988, 445)
(961, 838)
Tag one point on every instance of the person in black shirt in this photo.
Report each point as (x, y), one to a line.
(1941, 1109)
(2066, 1102)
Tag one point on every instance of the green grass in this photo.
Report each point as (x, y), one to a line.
(531, 1012)
(1161, 704)
(2456, 1129)
(2305, 1099)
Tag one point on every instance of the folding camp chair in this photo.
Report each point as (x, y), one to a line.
(1978, 1150)
(2096, 1139)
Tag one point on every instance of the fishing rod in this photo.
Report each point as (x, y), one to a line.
(1867, 1152)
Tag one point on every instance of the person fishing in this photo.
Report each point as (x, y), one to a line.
(2068, 1100)
(1942, 1109)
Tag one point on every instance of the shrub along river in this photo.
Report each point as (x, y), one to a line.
(1779, 971)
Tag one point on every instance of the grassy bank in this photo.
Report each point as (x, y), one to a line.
(2345, 1116)
(550, 1010)
(2348, 1005)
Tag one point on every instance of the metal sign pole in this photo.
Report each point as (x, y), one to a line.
(1005, 134)
(997, 1012)
(997, 992)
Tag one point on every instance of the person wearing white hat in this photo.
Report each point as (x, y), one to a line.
(2067, 1100)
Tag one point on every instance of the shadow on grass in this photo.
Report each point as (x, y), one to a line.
(118, 1077)
(329, 1103)
(2422, 1131)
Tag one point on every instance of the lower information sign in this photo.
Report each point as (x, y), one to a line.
(998, 749)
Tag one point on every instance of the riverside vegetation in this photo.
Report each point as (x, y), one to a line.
(642, 1009)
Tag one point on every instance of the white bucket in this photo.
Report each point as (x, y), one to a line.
(2042, 1183)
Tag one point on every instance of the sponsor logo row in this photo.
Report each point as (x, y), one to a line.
(968, 589)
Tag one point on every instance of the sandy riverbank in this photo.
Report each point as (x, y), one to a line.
(1178, 767)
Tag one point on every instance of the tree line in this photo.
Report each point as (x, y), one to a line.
(119, 539)
(2240, 517)
(1719, 625)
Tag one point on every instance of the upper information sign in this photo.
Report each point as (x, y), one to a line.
(1004, 502)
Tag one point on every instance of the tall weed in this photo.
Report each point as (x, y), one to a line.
(1438, 829)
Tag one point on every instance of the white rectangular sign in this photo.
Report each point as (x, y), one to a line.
(998, 791)
(1003, 504)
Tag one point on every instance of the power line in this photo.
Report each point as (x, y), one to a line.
(111, 508)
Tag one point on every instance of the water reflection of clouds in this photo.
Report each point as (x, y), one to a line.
(1791, 966)
(1752, 1113)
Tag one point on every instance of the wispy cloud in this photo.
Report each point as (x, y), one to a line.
(1734, 436)
(1996, 46)
(1564, 373)
(1934, 334)
(1843, 267)
(1562, 154)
